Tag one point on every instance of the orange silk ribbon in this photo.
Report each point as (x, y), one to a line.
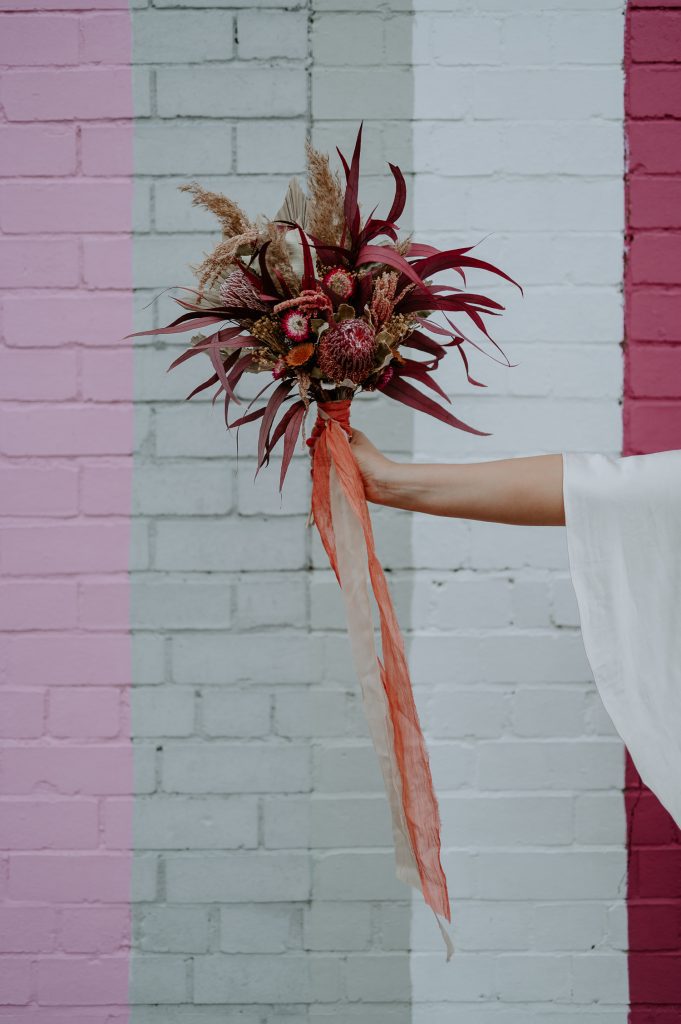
(340, 512)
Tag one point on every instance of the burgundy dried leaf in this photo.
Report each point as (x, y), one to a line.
(273, 404)
(290, 438)
(451, 259)
(413, 368)
(404, 392)
(397, 208)
(351, 205)
(186, 322)
(248, 418)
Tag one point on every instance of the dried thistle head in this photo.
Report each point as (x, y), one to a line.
(233, 219)
(325, 213)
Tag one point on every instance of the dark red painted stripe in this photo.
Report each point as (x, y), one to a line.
(652, 422)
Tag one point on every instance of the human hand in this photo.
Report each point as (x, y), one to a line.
(376, 469)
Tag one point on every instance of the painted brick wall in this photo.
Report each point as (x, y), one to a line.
(229, 686)
(362, 70)
(263, 845)
(263, 877)
(653, 423)
(519, 136)
(65, 474)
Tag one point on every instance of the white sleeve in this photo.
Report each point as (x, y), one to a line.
(623, 525)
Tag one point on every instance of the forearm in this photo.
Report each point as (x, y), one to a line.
(524, 491)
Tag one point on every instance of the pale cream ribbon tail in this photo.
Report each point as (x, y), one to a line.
(352, 567)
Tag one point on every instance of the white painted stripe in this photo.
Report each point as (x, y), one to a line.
(518, 135)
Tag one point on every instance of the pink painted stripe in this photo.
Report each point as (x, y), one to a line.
(66, 436)
(652, 422)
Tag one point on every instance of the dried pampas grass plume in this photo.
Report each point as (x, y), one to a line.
(223, 256)
(233, 219)
(325, 214)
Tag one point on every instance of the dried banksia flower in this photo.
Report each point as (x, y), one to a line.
(347, 349)
(325, 209)
(233, 219)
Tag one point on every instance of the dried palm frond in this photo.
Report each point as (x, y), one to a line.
(233, 219)
(325, 211)
(278, 256)
(294, 206)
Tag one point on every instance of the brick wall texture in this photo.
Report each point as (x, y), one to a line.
(652, 387)
(195, 828)
(66, 442)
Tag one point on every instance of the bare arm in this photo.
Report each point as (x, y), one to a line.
(523, 491)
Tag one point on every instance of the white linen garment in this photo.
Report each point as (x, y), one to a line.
(623, 525)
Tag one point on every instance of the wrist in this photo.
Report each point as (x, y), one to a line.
(393, 483)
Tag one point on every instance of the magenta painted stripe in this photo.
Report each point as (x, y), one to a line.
(652, 422)
(66, 436)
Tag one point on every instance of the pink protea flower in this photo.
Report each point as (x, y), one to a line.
(347, 349)
(340, 281)
(237, 290)
(296, 325)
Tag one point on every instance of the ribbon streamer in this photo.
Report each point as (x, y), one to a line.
(340, 512)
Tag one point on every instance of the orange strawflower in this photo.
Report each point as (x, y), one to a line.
(299, 354)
